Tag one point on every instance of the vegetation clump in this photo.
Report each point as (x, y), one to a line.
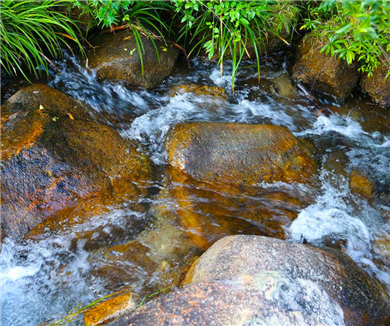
(33, 31)
(354, 31)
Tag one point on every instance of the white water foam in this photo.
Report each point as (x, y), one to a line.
(342, 125)
(44, 279)
(337, 215)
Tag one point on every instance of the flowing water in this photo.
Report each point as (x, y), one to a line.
(146, 245)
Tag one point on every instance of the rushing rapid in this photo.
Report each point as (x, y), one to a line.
(44, 277)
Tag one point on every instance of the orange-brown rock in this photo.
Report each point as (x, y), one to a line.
(361, 184)
(200, 90)
(381, 246)
(207, 214)
(241, 154)
(211, 163)
(116, 58)
(155, 258)
(252, 280)
(361, 298)
(55, 157)
(378, 86)
(110, 309)
(323, 72)
(268, 299)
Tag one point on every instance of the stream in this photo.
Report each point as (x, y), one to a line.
(146, 246)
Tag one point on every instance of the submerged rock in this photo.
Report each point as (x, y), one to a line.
(206, 215)
(117, 59)
(320, 273)
(150, 261)
(200, 90)
(241, 154)
(323, 72)
(55, 158)
(221, 175)
(110, 309)
(361, 184)
(378, 86)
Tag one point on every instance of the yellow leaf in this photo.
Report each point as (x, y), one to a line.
(49, 173)
(41, 107)
(70, 116)
(55, 119)
(302, 27)
(163, 48)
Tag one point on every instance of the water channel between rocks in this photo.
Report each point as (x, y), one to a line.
(147, 245)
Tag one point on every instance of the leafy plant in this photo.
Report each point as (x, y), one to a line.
(355, 31)
(233, 28)
(31, 30)
(141, 17)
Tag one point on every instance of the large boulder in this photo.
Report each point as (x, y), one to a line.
(241, 154)
(210, 163)
(116, 58)
(55, 157)
(378, 86)
(323, 72)
(267, 299)
(362, 299)
(254, 280)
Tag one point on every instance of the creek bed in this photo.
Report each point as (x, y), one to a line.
(147, 245)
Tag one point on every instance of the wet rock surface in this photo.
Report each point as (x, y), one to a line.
(267, 299)
(361, 184)
(110, 309)
(55, 157)
(214, 91)
(362, 299)
(116, 58)
(378, 86)
(210, 210)
(211, 163)
(322, 72)
(239, 153)
(206, 214)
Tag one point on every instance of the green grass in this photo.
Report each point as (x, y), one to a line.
(31, 32)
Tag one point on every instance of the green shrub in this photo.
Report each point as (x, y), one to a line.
(234, 28)
(355, 30)
(142, 17)
(33, 31)
(29, 29)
